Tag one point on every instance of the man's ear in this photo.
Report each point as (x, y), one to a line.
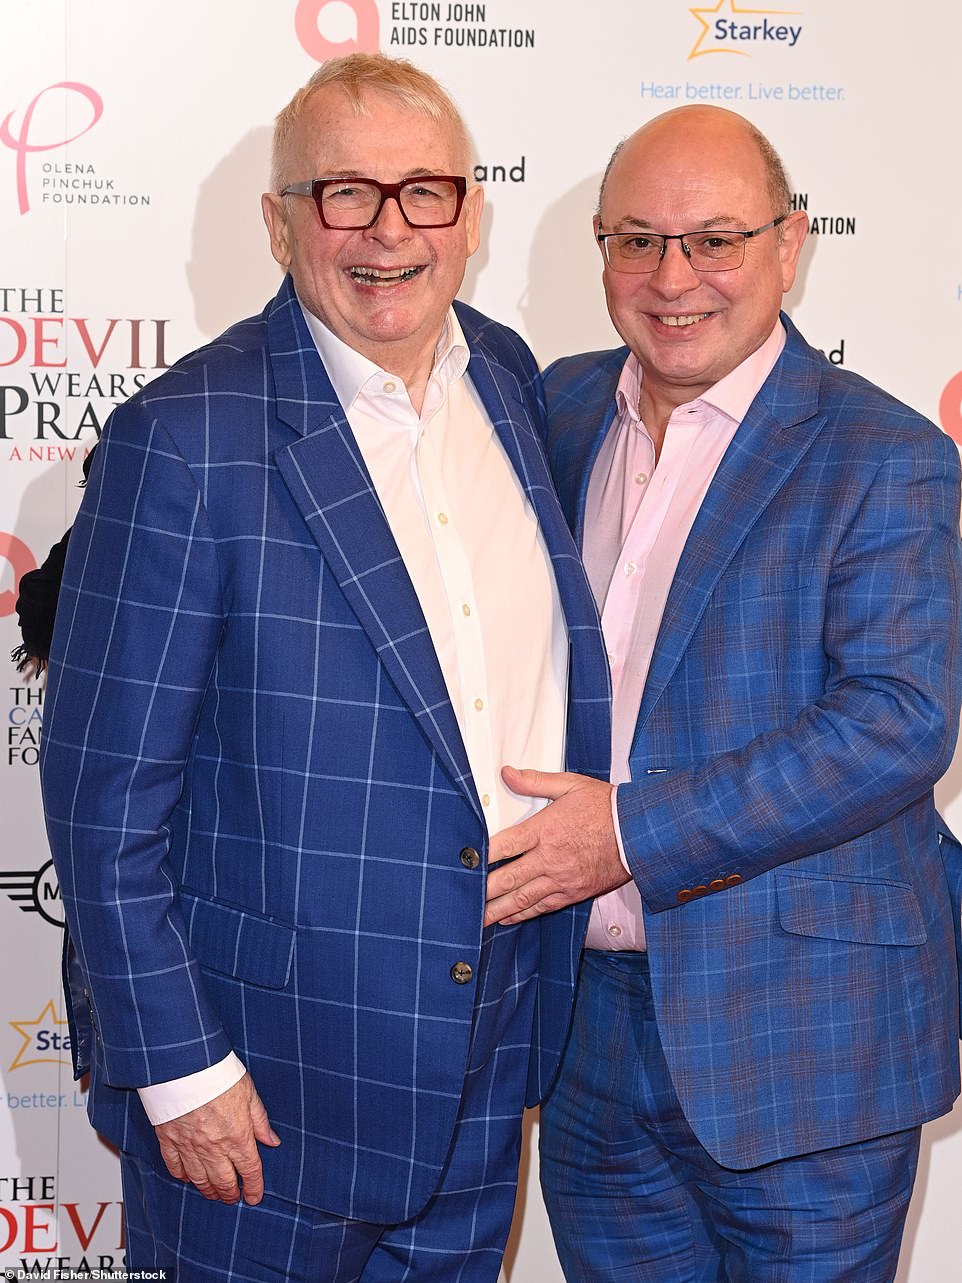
(793, 232)
(277, 217)
(473, 205)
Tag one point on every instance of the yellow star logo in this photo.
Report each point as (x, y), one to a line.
(728, 6)
(27, 1029)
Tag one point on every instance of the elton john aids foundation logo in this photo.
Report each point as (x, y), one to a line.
(23, 139)
(310, 17)
(950, 408)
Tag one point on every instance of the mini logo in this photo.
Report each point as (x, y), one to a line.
(41, 1037)
(16, 553)
(950, 408)
(367, 28)
(727, 27)
(35, 891)
(22, 143)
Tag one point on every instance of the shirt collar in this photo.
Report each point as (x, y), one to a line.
(350, 372)
(732, 395)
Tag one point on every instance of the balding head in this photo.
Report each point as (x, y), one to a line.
(703, 117)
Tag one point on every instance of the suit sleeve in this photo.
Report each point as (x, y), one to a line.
(140, 615)
(879, 736)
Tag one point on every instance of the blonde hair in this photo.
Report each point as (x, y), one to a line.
(361, 73)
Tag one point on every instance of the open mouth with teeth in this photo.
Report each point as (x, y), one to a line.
(680, 321)
(384, 276)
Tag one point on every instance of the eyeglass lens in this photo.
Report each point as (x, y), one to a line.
(711, 251)
(425, 202)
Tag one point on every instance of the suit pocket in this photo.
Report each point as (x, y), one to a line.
(237, 942)
(757, 579)
(857, 910)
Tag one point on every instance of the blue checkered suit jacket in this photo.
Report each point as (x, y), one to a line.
(255, 786)
(802, 700)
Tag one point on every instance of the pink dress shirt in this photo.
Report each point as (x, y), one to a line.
(637, 519)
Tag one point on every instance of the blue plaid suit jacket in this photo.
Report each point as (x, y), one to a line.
(802, 700)
(255, 786)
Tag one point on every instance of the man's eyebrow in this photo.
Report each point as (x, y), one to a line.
(717, 220)
(348, 171)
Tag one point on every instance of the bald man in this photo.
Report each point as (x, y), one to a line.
(768, 1006)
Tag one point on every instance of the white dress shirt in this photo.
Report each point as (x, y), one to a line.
(471, 545)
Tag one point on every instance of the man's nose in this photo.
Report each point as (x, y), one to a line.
(674, 274)
(390, 226)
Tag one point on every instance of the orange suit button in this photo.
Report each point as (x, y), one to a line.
(684, 896)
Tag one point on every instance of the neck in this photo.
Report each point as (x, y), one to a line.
(412, 366)
(654, 411)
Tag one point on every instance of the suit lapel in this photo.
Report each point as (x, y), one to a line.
(774, 435)
(579, 417)
(326, 476)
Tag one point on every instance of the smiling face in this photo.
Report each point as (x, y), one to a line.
(383, 290)
(690, 169)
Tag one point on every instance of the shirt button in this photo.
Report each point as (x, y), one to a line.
(465, 610)
(461, 973)
(390, 387)
(442, 518)
(641, 478)
(479, 705)
(614, 930)
(630, 568)
(485, 799)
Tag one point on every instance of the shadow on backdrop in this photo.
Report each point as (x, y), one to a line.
(231, 273)
(564, 267)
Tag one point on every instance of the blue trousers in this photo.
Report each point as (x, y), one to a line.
(633, 1196)
(458, 1237)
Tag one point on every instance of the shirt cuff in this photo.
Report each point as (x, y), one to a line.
(617, 823)
(165, 1101)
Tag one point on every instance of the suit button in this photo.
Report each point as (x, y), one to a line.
(733, 879)
(684, 896)
(461, 973)
(699, 891)
(469, 857)
(717, 885)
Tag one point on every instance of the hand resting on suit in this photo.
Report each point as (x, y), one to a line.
(568, 851)
(213, 1145)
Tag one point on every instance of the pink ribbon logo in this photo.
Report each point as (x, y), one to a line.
(367, 29)
(21, 143)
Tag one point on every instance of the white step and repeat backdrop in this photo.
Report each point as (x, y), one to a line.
(133, 148)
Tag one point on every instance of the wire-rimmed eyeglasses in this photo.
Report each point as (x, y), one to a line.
(352, 204)
(713, 249)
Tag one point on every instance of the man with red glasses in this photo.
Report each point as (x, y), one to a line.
(286, 670)
(768, 1006)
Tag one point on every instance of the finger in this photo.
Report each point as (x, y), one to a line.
(251, 1172)
(513, 841)
(263, 1131)
(524, 902)
(173, 1160)
(513, 876)
(198, 1177)
(530, 783)
(223, 1180)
